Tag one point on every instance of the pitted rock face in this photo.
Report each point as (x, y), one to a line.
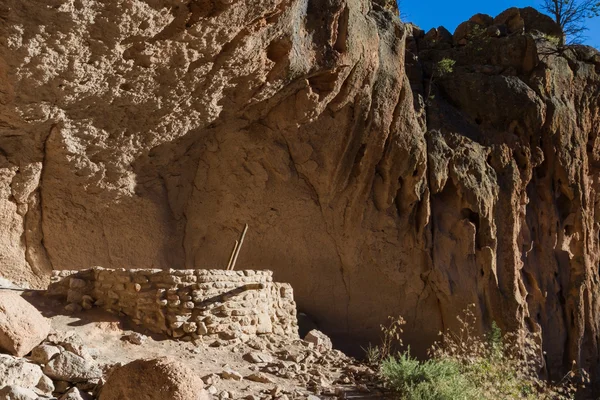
(145, 133)
(155, 379)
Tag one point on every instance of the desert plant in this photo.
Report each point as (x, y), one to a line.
(428, 380)
(442, 68)
(468, 366)
(391, 338)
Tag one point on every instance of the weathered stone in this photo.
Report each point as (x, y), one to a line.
(135, 338)
(22, 327)
(43, 353)
(482, 20)
(321, 341)
(71, 342)
(70, 367)
(75, 394)
(231, 374)
(512, 19)
(156, 379)
(259, 377)
(14, 392)
(256, 357)
(19, 372)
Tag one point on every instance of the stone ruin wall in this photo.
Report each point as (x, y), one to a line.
(186, 304)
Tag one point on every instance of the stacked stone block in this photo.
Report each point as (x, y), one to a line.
(186, 304)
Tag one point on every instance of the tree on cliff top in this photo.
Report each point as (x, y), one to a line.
(571, 16)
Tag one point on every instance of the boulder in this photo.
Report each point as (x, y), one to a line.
(483, 20)
(22, 327)
(18, 372)
(512, 19)
(155, 379)
(14, 392)
(536, 21)
(319, 339)
(466, 31)
(436, 37)
(68, 366)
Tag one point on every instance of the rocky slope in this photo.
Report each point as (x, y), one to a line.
(146, 133)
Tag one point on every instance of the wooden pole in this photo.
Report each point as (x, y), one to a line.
(239, 247)
(232, 254)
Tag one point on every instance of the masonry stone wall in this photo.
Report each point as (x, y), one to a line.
(186, 304)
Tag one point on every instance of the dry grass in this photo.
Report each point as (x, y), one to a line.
(464, 365)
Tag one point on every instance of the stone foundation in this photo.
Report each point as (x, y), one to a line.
(186, 304)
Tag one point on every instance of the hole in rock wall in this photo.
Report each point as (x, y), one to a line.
(279, 50)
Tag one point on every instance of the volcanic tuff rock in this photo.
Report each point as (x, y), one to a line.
(145, 133)
(22, 327)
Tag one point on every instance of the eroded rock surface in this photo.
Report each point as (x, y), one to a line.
(146, 133)
(22, 327)
(154, 379)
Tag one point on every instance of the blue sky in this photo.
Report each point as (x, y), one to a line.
(433, 13)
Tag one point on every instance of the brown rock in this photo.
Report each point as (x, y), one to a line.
(536, 21)
(319, 339)
(305, 125)
(482, 20)
(512, 19)
(70, 367)
(465, 32)
(256, 357)
(43, 353)
(22, 327)
(156, 379)
(259, 377)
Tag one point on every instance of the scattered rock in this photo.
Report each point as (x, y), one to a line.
(70, 341)
(43, 353)
(231, 374)
(70, 367)
(259, 377)
(256, 357)
(45, 385)
(22, 327)
(212, 390)
(155, 379)
(319, 339)
(135, 338)
(14, 392)
(18, 372)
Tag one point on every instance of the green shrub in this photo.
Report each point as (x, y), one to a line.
(467, 366)
(444, 67)
(428, 380)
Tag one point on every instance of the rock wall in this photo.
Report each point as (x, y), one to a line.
(139, 133)
(185, 304)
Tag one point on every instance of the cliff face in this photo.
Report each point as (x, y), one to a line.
(145, 134)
